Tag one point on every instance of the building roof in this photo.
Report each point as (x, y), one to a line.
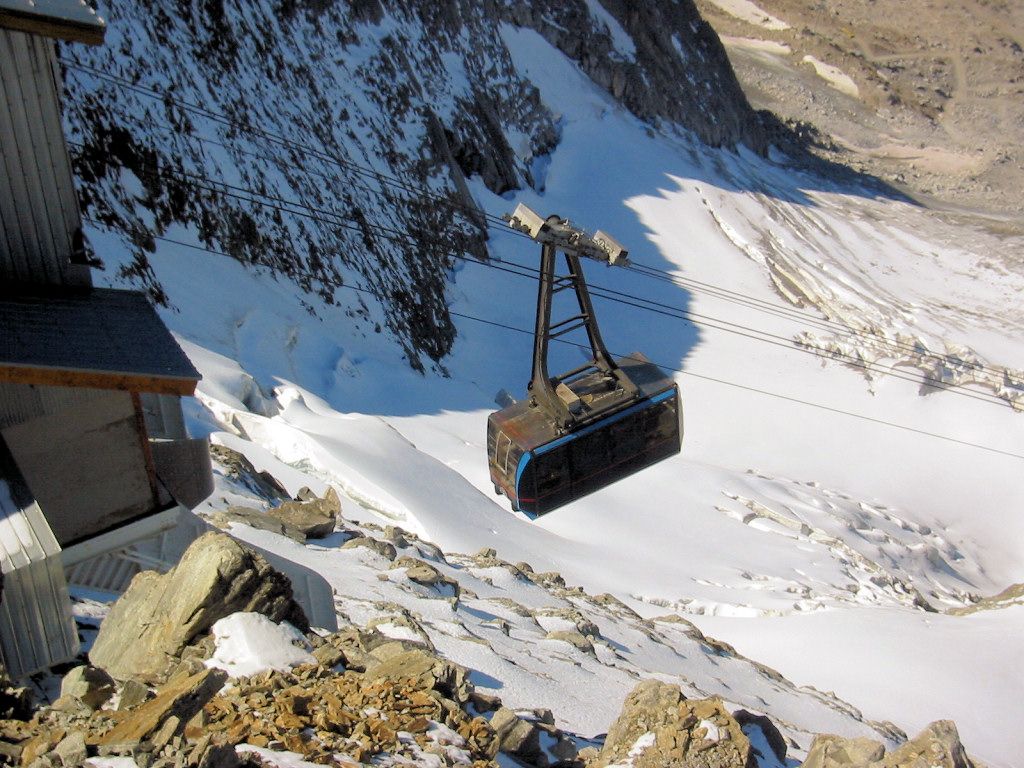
(71, 20)
(101, 338)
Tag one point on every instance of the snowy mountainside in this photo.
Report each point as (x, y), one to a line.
(527, 636)
(800, 526)
(331, 141)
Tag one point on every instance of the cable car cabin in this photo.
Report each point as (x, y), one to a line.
(540, 467)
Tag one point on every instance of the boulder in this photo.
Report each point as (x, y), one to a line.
(382, 548)
(575, 639)
(91, 685)
(150, 625)
(239, 467)
(314, 517)
(659, 727)
(937, 746)
(650, 706)
(549, 580)
(355, 647)
(71, 750)
(582, 624)
(517, 737)
(258, 519)
(174, 705)
(828, 751)
(396, 536)
(133, 693)
(426, 575)
(428, 671)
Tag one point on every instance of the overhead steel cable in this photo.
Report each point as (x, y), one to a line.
(663, 366)
(357, 168)
(824, 324)
(498, 224)
(340, 220)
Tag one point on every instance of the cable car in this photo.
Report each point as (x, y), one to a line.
(584, 429)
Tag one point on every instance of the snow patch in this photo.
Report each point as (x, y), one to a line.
(620, 38)
(834, 76)
(711, 731)
(250, 643)
(744, 10)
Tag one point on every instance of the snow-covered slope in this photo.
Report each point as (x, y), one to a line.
(528, 636)
(814, 539)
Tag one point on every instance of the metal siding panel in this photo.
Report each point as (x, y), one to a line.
(20, 225)
(41, 257)
(110, 572)
(67, 218)
(40, 107)
(12, 236)
(37, 629)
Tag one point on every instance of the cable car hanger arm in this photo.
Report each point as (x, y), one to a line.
(562, 404)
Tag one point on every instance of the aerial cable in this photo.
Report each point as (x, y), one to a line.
(498, 224)
(340, 220)
(712, 379)
(278, 139)
(824, 324)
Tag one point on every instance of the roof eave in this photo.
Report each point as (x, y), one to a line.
(59, 29)
(93, 379)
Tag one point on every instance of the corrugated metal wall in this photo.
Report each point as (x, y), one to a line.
(38, 208)
(36, 626)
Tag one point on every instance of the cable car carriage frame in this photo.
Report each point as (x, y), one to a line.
(578, 431)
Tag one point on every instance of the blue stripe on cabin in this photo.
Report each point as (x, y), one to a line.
(524, 460)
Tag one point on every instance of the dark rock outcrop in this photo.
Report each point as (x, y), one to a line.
(331, 142)
(677, 72)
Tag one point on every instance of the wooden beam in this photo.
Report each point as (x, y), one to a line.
(125, 382)
(91, 34)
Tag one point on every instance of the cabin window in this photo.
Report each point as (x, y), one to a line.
(551, 473)
(501, 450)
(662, 422)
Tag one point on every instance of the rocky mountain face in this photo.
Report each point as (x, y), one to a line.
(330, 142)
(925, 95)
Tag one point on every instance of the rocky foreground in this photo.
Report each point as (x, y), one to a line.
(152, 694)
